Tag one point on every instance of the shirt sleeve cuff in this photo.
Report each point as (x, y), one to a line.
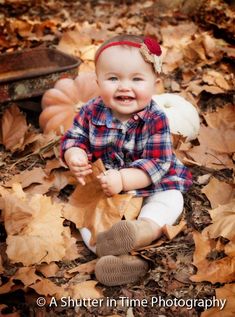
(156, 170)
(67, 144)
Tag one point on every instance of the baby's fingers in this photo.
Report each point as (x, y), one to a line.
(81, 180)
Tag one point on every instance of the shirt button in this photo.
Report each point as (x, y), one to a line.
(136, 117)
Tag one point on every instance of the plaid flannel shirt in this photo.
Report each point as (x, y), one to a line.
(142, 142)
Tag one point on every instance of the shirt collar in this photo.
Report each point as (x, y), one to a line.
(102, 115)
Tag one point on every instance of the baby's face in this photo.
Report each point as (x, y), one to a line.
(126, 81)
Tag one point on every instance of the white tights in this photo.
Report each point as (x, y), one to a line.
(162, 207)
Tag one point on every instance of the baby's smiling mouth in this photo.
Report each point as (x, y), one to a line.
(125, 98)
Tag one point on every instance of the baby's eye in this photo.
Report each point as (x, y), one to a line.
(137, 78)
(113, 78)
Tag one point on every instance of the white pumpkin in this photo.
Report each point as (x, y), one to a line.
(182, 115)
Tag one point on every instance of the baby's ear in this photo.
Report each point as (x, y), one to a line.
(159, 86)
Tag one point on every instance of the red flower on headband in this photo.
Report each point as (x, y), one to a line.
(153, 46)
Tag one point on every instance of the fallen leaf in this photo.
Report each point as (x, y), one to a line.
(85, 289)
(226, 292)
(88, 267)
(221, 140)
(218, 192)
(203, 179)
(14, 127)
(101, 212)
(178, 35)
(26, 178)
(7, 287)
(223, 218)
(216, 271)
(46, 287)
(51, 165)
(202, 155)
(71, 250)
(48, 270)
(213, 77)
(172, 231)
(30, 236)
(26, 275)
(221, 118)
(172, 59)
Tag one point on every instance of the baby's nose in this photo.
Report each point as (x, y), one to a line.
(124, 85)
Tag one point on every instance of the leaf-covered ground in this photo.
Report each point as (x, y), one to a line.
(193, 263)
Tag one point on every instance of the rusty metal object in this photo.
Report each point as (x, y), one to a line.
(30, 73)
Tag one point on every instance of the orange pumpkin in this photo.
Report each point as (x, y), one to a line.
(60, 104)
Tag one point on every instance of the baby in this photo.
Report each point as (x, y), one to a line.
(129, 132)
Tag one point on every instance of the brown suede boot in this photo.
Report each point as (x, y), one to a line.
(117, 270)
(123, 237)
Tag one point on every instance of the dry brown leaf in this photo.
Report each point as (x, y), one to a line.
(85, 289)
(196, 88)
(51, 165)
(46, 287)
(212, 89)
(88, 52)
(57, 180)
(101, 212)
(14, 127)
(24, 28)
(225, 292)
(178, 35)
(26, 275)
(203, 179)
(78, 42)
(31, 138)
(71, 41)
(221, 140)
(210, 45)
(7, 287)
(229, 248)
(172, 231)
(88, 267)
(195, 50)
(221, 270)
(172, 59)
(223, 218)
(204, 156)
(48, 270)
(132, 209)
(31, 237)
(223, 118)
(218, 192)
(26, 178)
(71, 250)
(213, 77)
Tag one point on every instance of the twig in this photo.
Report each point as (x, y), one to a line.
(39, 152)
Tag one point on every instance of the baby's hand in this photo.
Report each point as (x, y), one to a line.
(111, 182)
(78, 164)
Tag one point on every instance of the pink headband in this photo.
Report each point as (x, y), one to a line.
(150, 50)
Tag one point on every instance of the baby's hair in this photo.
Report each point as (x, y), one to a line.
(120, 38)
